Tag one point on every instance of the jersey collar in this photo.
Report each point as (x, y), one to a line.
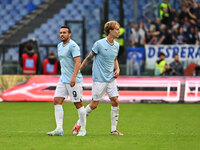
(109, 42)
(66, 43)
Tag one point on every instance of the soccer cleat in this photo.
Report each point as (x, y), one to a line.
(116, 132)
(76, 128)
(56, 133)
(82, 133)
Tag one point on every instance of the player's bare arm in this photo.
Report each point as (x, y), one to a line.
(76, 69)
(117, 70)
(87, 60)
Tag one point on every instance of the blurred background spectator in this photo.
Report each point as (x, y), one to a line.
(51, 65)
(138, 35)
(197, 71)
(176, 66)
(30, 61)
(160, 64)
(165, 12)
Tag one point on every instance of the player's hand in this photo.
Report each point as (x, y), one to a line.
(73, 81)
(116, 73)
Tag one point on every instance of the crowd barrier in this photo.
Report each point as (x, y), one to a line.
(131, 89)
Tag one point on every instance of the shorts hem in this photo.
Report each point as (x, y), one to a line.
(114, 96)
(97, 99)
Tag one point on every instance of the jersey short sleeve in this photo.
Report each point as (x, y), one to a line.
(75, 50)
(58, 46)
(95, 48)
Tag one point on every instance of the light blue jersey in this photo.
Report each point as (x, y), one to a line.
(103, 65)
(66, 54)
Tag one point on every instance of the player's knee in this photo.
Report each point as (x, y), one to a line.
(78, 105)
(115, 104)
(93, 105)
(114, 101)
(58, 100)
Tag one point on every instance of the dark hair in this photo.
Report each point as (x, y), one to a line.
(161, 54)
(176, 54)
(69, 31)
(51, 53)
(29, 46)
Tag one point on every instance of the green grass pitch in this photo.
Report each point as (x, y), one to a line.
(23, 126)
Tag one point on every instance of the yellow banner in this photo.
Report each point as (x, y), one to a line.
(8, 81)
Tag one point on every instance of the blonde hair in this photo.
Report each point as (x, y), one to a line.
(110, 25)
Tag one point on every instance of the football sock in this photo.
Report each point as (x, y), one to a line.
(114, 117)
(88, 111)
(59, 116)
(82, 117)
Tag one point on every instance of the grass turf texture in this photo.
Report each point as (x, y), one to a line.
(23, 126)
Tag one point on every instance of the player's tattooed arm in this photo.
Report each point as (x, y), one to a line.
(87, 60)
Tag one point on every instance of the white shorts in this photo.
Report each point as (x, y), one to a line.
(100, 88)
(65, 90)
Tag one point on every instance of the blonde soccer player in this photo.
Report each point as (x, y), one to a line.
(104, 72)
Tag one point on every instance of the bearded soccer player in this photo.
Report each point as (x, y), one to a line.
(70, 83)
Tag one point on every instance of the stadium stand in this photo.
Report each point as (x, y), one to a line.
(31, 21)
(13, 11)
(75, 11)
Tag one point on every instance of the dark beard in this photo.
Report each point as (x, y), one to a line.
(65, 40)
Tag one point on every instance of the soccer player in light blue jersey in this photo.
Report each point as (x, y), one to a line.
(104, 72)
(70, 83)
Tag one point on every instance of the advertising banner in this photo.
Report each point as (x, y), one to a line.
(192, 90)
(42, 88)
(131, 89)
(187, 54)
